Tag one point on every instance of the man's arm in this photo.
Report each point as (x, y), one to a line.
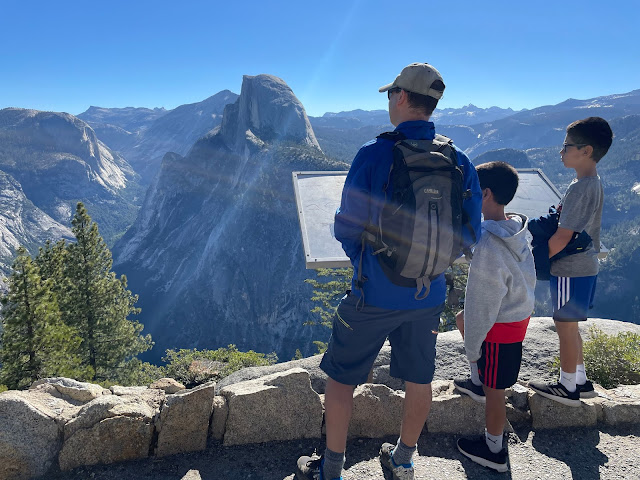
(473, 205)
(353, 213)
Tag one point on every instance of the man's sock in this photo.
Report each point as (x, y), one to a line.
(333, 463)
(475, 378)
(402, 454)
(494, 442)
(568, 380)
(581, 374)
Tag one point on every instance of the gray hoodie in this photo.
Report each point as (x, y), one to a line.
(502, 280)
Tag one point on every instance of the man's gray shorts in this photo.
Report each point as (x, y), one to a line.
(358, 336)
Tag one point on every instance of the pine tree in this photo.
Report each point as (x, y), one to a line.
(35, 341)
(99, 304)
(50, 262)
(328, 292)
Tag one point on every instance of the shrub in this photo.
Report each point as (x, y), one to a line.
(610, 360)
(135, 373)
(3, 388)
(193, 367)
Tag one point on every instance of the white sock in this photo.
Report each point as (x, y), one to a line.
(581, 374)
(568, 380)
(494, 442)
(475, 378)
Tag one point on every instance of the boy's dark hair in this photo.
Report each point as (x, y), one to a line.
(425, 103)
(499, 177)
(594, 131)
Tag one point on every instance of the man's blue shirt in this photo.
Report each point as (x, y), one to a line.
(362, 200)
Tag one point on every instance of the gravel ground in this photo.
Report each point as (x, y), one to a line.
(583, 454)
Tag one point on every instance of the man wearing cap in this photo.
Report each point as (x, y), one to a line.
(377, 309)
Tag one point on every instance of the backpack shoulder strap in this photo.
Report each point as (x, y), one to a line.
(445, 146)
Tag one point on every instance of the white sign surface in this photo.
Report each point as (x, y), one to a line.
(318, 196)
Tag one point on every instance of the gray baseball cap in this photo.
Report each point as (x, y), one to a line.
(417, 78)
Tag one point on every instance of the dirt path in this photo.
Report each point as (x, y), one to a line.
(583, 454)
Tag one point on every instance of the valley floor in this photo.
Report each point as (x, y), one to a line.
(583, 454)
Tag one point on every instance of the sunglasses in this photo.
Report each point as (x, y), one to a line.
(393, 90)
(567, 145)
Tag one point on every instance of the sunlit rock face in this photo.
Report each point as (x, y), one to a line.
(267, 109)
(22, 224)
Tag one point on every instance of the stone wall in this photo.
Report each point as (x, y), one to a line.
(63, 423)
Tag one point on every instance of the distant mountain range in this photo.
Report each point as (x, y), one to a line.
(467, 115)
(130, 119)
(203, 191)
(143, 136)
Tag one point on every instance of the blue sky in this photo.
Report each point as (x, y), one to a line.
(68, 55)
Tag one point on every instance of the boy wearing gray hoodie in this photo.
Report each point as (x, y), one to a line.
(499, 300)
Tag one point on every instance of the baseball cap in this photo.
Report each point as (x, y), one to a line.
(417, 78)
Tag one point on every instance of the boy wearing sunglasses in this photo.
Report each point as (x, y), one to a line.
(573, 278)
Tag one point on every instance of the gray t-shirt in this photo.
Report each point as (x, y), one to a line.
(581, 210)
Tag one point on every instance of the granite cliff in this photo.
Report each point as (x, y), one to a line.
(22, 224)
(215, 253)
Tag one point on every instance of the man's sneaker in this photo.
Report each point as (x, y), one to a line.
(478, 451)
(400, 472)
(557, 392)
(310, 468)
(586, 390)
(474, 391)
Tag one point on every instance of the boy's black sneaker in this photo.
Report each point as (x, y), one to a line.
(478, 451)
(310, 468)
(557, 392)
(465, 385)
(586, 390)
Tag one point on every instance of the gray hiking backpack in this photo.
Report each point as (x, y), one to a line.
(418, 233)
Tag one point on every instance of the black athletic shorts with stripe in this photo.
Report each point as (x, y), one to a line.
(499, 364)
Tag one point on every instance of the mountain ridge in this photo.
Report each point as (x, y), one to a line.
(175, 130)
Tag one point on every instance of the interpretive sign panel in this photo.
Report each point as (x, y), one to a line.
(318, 196)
